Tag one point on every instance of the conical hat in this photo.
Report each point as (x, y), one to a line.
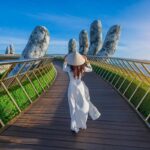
(75, 59)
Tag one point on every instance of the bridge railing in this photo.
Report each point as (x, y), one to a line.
(21, 82)
(130, 77)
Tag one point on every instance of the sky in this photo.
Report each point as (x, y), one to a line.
(66, 18)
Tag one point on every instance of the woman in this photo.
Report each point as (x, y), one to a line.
(78, 94)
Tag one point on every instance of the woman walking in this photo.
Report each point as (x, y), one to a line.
(78, 94)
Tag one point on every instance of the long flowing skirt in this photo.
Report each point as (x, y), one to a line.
(80, 105)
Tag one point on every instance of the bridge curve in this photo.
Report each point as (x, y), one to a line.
(46, 124)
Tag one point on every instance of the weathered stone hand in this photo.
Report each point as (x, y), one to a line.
(96, 46)
(36, 47)
(95, 37)
(72, 45)
(83, 42)
(111, 41)
(38, 43)
(7, 50)
(10, 49)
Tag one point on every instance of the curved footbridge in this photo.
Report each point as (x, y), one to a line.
(45, 124)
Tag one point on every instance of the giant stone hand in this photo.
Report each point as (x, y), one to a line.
(95, 37)
(83, 42)
(38, 43)
(10, 49)
(36, 47)
(110, 42)
(72, 45)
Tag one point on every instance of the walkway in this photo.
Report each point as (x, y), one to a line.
(46, 124)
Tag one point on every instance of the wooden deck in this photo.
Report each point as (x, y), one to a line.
(46, 125)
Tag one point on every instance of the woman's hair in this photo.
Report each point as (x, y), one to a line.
(78, 70)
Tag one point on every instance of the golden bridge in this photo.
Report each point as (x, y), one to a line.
(34, 111)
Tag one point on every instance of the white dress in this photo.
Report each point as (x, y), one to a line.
(79, 101)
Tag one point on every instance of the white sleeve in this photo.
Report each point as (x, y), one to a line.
(65, 67)
(88, 68)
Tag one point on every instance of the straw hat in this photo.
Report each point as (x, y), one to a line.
(75, 59)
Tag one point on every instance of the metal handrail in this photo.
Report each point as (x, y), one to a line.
(115, 70)
(137, 68)
(127, 59)
(5, 62)
(29, 69)
(111, 69)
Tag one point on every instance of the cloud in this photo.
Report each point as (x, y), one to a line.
(135, 34)
(134, 21)
(60, 42)
(56, 45)
(60, 46)
(64, 20)
(12, 35)
(18, 42)
(135, 29)
(8, 40)
(132, 50)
